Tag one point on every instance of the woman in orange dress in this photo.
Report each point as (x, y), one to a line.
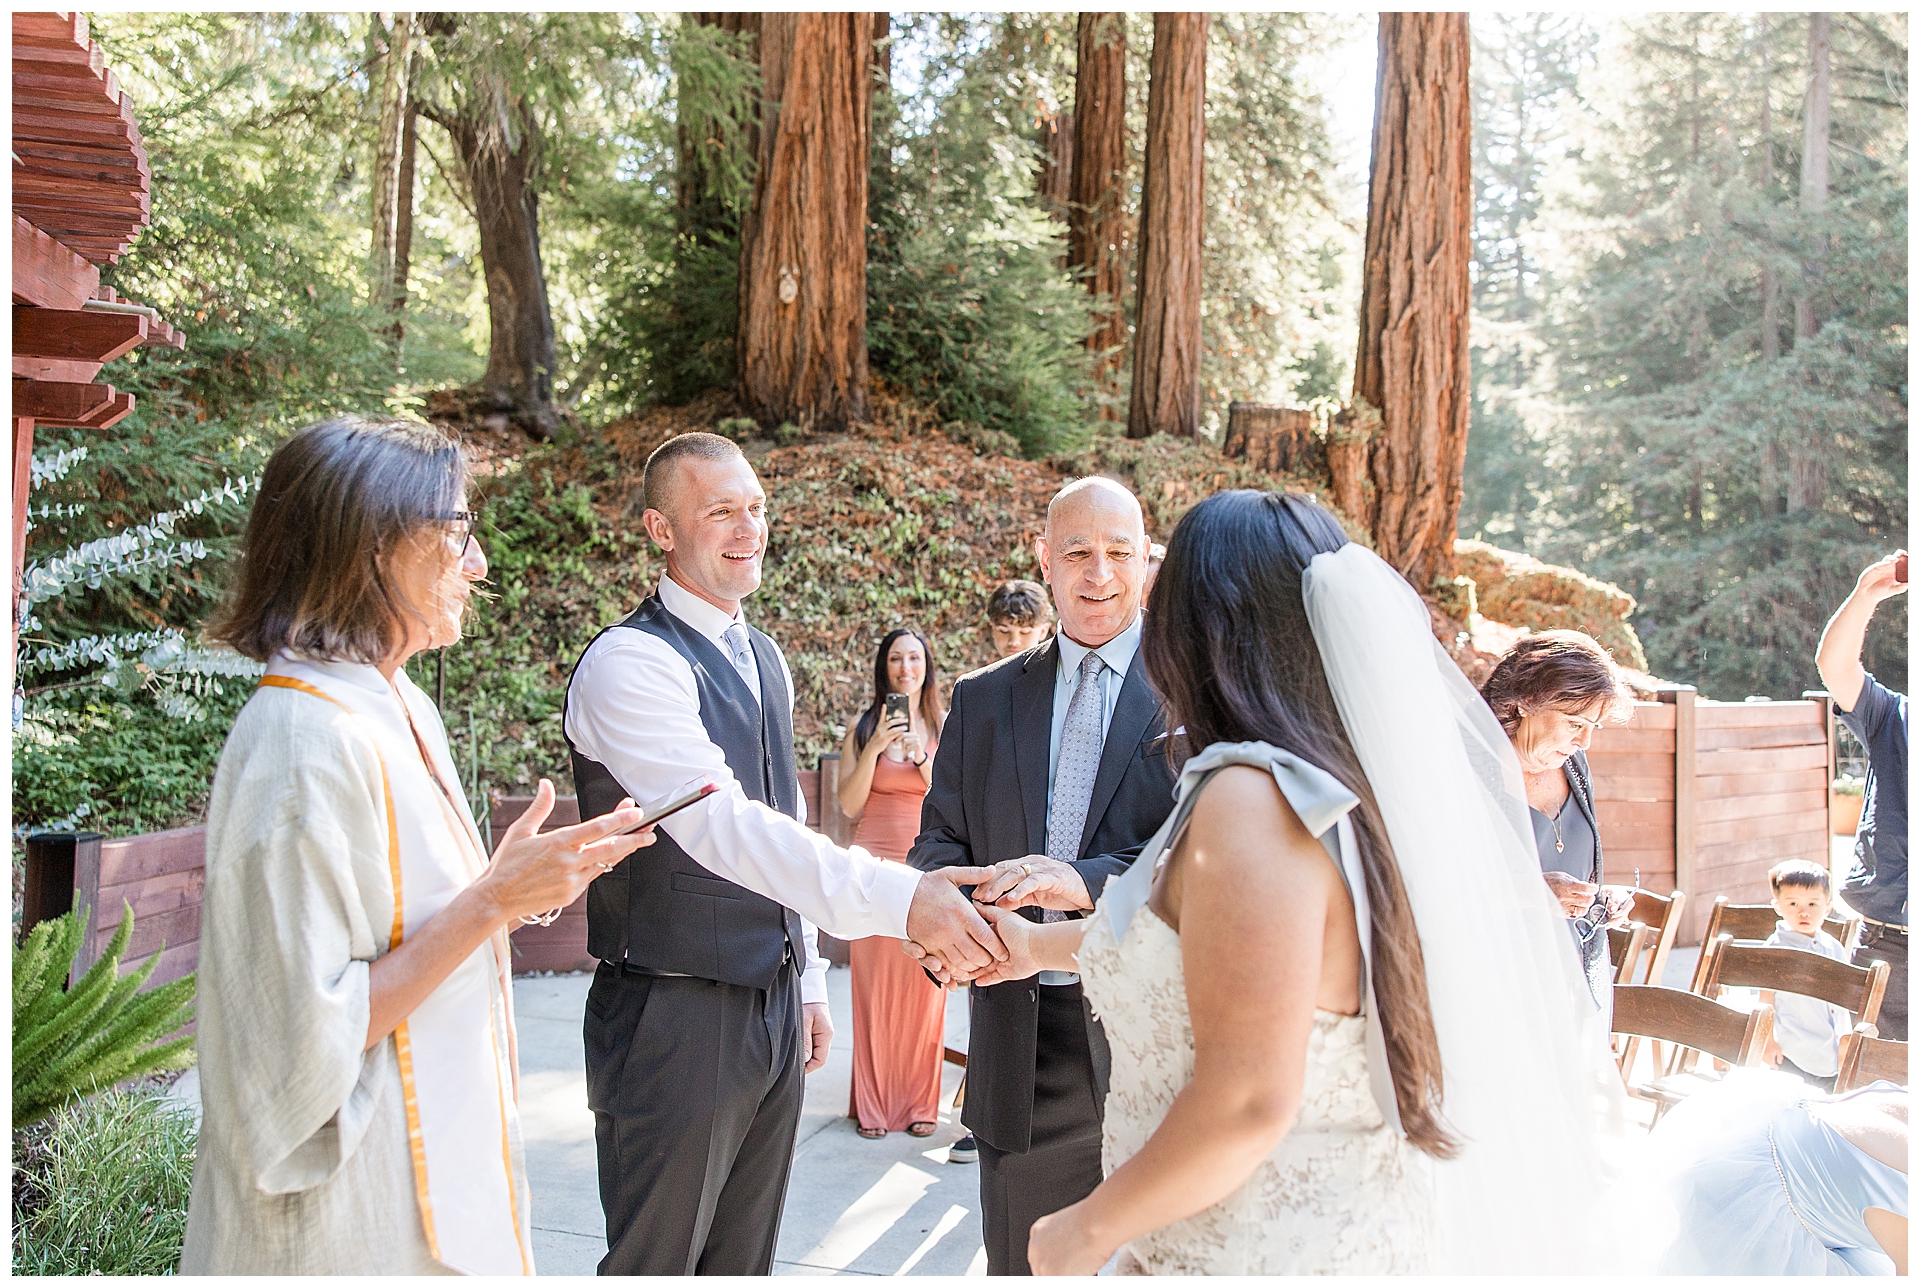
(899, 1014)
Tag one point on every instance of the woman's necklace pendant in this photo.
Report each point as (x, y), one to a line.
(1559, 846)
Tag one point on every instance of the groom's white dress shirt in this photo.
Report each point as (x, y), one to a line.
(634, 708)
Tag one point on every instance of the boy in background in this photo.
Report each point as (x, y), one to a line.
(1019, 614)
(1806, 1030)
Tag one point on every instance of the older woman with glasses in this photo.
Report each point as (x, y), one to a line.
(1551, 692)
(358, 1074)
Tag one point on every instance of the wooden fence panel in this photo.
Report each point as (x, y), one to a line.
(1708, 795)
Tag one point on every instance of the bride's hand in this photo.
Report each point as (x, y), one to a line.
(1060, 1244)
(1016, 932)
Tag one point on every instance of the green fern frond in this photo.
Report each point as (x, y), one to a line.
(70, 1042)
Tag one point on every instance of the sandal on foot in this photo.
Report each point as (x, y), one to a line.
(922, 1129)
(872, 1133)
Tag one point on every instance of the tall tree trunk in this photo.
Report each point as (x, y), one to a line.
(1166, 347)
(700, 212)
(403, 224)
(1807, 476)
(1097, 215)
(1769, 282)
(883, 49)
(802, 342)
(1773, 492)
(498, 148)
(389, 146)
(1055, 185)
(1413, 363)
(1813, 162)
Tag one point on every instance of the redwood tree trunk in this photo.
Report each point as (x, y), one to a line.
(497, 151)
(1166, 345)
(883, 48)
(1412, 363)
(802, 343)
(1097, 217)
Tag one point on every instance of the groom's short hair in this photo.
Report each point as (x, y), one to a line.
(658, 478)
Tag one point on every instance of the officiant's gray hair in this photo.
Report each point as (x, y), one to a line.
(336, 501)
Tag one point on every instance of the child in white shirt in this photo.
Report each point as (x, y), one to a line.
(1806, 1030)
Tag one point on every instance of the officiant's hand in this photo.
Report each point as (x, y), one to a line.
(943, 923)
(534, 872)
(1035, 882)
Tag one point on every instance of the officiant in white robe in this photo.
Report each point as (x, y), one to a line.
(355, 1018)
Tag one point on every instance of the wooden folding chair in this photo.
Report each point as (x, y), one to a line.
(1626, 944)
(1865, 1059)
(1660, 914)
(1693, 1025)
(1756, 921)
(1859, 989)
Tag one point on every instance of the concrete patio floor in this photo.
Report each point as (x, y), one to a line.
(854, 1206)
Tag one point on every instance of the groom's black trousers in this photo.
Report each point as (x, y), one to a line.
(1062, 1164)
(695, 1088)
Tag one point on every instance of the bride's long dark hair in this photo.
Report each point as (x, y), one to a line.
(1228, 646)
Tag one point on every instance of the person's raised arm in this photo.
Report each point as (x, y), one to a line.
(1256, 899)
(1846, 632)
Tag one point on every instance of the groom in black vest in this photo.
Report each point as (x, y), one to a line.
(710, 999)
(1052, 769)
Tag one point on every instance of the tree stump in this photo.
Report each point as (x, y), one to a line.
(1280, 440)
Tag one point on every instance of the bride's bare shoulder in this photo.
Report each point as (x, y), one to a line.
(1242, 805)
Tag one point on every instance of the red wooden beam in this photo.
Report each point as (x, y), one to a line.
(50, 402)
(112, 414)
(47, 274)
(77, 373)
(76, 335)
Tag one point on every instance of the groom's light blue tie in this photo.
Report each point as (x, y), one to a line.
(736, 638)
(1081, 739)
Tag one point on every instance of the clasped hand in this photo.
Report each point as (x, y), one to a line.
(1035, 881)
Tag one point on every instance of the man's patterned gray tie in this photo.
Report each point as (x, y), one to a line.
(736, 638)
(1080, 742)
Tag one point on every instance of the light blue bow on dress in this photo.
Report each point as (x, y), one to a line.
(1323, 804)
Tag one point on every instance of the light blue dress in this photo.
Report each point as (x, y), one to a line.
(1763, 1187)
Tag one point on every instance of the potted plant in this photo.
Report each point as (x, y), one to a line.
(1847, 798)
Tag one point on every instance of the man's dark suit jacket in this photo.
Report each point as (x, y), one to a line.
(988, 803)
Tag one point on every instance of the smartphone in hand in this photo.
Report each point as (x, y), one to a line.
(662, 809)
(895, 706)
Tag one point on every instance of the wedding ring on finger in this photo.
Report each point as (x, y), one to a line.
(1026, 869)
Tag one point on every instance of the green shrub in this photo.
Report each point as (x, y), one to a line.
(101, 1188)
(68, 1042)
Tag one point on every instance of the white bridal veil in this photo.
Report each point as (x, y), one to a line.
(1530, 1088)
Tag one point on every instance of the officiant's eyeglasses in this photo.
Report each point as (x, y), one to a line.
(462, 526)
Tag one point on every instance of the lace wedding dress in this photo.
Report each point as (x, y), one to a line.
(1343, 1193)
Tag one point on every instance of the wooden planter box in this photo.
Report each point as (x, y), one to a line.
(1705, 796)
